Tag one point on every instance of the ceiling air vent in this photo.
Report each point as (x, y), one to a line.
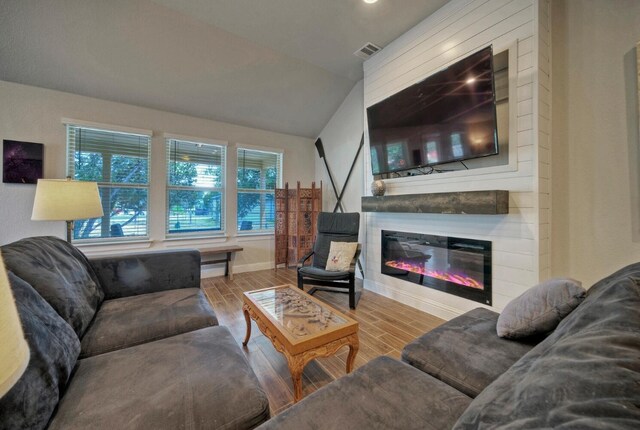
(367, 51)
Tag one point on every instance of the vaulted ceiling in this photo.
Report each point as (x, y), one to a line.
(279, 65)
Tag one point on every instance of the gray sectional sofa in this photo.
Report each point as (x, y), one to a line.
(123, 342)
(583, 375)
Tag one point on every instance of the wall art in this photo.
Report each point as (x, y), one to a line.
(21, 162)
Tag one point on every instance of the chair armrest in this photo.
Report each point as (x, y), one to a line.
(134, 274)
(305, 258)
(354, 261)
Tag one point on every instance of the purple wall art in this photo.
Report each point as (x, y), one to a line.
(21, 162)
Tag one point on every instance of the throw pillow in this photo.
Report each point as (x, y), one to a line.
(540, 309)
(340, 256)
(61, 274)
(54, 349)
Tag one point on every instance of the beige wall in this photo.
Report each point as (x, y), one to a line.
(34, 114)
(596, 226)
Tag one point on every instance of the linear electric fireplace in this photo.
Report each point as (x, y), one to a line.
(457, 266)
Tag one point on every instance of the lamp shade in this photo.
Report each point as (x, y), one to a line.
(14, 352)
(66, 200)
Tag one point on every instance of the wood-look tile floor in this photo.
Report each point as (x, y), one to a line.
(385, 327)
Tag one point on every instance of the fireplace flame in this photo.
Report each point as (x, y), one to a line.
(459, 279)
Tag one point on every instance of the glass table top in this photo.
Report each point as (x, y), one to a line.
(297, 314)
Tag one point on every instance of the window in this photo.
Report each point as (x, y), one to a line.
(375, 165)
(259, 173)
(456, 145)
(431, 148)
(195, 187)
(119, 163)
(396, 155)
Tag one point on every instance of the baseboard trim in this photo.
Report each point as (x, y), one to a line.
(218, 269)
(265, 265)
(434, 308)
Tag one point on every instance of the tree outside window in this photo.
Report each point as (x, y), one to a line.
(259, 173)
(119, 162)
(195, 188)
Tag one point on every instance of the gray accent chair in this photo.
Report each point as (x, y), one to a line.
(583, 375)
(123, 342)
(332, 227)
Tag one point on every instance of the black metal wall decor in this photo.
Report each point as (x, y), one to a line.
(339, 196)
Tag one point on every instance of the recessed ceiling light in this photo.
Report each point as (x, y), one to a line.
(471, 81)
(370, 1)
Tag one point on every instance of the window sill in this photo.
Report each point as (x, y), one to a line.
(193, 241)
(112, 246)
(244, 237)
(195, 237)
(83, 244)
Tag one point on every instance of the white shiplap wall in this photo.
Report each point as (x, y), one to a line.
(543, 109)
(520, 239)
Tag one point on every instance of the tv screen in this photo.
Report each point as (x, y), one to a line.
(450, 116)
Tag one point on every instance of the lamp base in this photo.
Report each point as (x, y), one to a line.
(69, 231)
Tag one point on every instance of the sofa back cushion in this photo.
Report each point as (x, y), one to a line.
(54, 349)
(147, 272)
(586, 374)
(61, 274)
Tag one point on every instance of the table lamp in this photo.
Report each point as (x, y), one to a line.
(66, 200)
(14, 353)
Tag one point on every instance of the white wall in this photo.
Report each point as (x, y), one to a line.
(520, 239)
(340, 139)
(34, 115)
(596, 217)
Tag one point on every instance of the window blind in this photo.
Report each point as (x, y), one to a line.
(259, 173)
(195, 187)
(119, 162)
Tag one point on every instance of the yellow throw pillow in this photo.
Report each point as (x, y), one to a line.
(340, 256)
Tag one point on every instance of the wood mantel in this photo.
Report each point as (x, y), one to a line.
(490, 202)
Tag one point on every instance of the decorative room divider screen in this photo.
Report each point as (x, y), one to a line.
(296, 218)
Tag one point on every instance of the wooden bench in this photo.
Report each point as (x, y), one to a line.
(207, 257)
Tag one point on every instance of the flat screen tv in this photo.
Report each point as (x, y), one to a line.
(449, 116)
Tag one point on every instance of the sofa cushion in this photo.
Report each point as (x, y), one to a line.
(54, 349)
(586, 374)
(196, 380)
(148, 272)
(466, 352)
(340, 256)
(383, 394)
(540, 309)
(60, 273)
(130, 321)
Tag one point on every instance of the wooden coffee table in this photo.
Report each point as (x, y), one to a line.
(299, 326)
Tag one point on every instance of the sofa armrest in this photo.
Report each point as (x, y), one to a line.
(134, 274)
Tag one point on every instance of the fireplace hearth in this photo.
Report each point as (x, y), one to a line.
(454, 265)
